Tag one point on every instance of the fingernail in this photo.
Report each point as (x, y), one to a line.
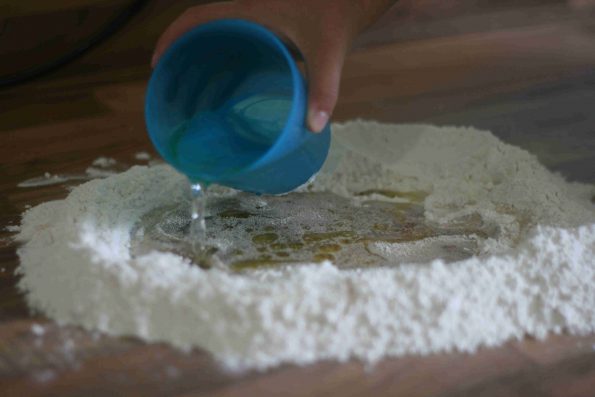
(318, 120)
(153, 60)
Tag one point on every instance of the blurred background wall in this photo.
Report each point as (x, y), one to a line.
(34, 32)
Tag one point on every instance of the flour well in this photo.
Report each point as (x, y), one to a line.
(527, 238)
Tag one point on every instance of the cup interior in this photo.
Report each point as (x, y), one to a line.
(219, 99)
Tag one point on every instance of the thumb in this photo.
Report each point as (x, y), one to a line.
(323, 65)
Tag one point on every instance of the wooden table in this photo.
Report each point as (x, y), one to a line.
(525, 71)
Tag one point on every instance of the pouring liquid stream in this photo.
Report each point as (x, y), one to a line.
(254, 131)
(198, 228)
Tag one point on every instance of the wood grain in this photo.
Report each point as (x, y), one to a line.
(528, 76)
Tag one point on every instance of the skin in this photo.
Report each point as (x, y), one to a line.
(322, 31)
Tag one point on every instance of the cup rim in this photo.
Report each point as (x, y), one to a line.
(245, 26)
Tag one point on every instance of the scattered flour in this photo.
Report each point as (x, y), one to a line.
(104, 162)
(102, 167)
(142, 156)
(94, 172)
(37, 330)
(48, 179)
(535, 276)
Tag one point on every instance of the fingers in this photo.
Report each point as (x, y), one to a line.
(188, 20)
(324, 53)
(324, 66)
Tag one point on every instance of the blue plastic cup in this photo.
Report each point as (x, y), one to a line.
(226, 104)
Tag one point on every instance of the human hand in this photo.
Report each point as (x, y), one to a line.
(322, 31)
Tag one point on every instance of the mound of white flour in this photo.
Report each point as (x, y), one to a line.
(535, 275)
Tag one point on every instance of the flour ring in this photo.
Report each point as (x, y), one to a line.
(536, 278)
